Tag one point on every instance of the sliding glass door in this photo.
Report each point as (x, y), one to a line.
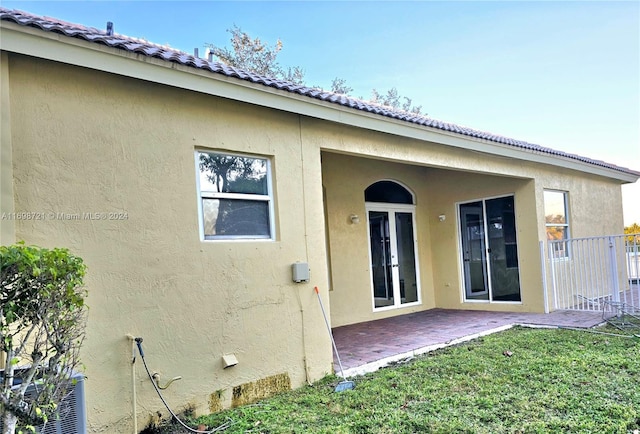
(489, 250)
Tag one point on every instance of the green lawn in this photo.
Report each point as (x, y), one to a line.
(517, 381)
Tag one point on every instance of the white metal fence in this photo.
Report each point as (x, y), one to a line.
(587, 273)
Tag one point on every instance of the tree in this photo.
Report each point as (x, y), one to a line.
(394, 100)
(251, 54)
(339, 85)
(255, 56)
(42, 324)
(634, 234)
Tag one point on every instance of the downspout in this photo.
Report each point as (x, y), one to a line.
(7, 229)
(306, 247)
(7, 205)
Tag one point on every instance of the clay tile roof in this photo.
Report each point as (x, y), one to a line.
(169, 54)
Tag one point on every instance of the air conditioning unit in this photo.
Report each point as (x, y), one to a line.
(71, 415)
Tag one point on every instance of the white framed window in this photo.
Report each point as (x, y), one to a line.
(235, 197)
(556, 218)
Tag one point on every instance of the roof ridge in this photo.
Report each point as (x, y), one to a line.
(169, 54)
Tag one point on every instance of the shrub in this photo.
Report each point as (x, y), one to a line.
(42, 324)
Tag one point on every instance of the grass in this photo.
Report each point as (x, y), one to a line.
(517, 381)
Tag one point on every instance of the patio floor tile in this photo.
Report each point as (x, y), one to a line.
(367, 343)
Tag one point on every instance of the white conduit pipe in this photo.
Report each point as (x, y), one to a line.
(133, 383)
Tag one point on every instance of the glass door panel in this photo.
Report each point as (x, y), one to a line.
(503, 249)
(407, 275)
(380, 245)
(473, 251)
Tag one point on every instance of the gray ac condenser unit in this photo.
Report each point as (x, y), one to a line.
(71, 416)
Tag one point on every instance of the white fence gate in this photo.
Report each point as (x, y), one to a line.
(586, 273)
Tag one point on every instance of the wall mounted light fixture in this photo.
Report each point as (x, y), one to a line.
(354, 219)
(442, 217)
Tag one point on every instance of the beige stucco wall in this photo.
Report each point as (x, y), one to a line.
(594, 206)
(345, 179)
(85, 142)
(437, 192)
(594, 209)
(451, 188)
(594, 202)
(441, 178)
(82, 141)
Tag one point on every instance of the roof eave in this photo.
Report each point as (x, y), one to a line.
(56, 47)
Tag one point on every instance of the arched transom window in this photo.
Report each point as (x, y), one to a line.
(388, 192)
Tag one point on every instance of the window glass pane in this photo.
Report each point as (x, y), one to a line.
(554, 207)
(220, 173)
(556, 233)
(387, 191)
(406, 258)
(381, 258)
(559, 250)
(235, 218)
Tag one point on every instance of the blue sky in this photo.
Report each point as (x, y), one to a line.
(565, 75)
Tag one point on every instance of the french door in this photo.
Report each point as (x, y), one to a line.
(392, 247)
(489, 250)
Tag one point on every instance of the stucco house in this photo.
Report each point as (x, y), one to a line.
(193, 190)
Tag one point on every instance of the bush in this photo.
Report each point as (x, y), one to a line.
(42, 324)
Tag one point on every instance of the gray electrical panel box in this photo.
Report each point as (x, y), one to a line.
(300, 272)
